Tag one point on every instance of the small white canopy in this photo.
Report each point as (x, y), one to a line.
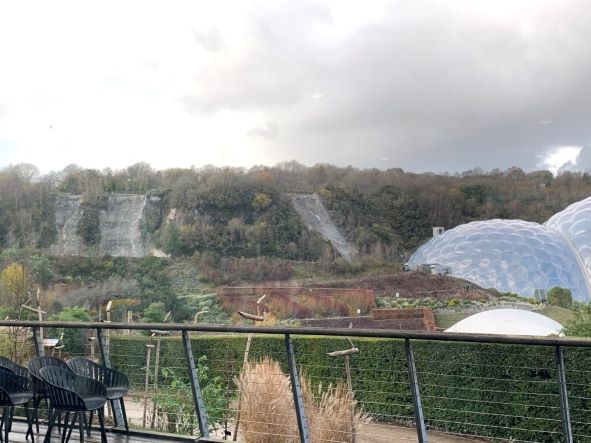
(508, 322)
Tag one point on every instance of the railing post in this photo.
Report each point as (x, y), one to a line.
(104, 350)
(298, 398)
(195, 387)
(564, 410)
(416, 395)
(38, 344)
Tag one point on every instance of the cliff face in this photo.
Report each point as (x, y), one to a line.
(67, 216)
(122, 225)
(316, 217)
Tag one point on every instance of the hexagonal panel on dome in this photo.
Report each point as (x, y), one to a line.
(509, 255)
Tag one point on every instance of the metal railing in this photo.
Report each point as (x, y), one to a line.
(394, 385)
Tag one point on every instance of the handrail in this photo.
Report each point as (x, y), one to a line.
(339, 332)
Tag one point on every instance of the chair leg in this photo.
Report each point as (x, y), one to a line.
(6, 423)
(59, 420)
(115, 422)
(81, 426)
(101, 417)
(50, 424)
(89, 424)
(121, 402)
(10, 417)
(2, 424)
(36, 404)
(65, 428)
(72, 423)
(29, 415)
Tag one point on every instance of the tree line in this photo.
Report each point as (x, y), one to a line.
(237, 212)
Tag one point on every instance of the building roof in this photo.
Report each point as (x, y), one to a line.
(508, 322)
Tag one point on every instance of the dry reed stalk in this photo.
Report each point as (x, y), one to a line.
(266, 404)
(268, 414)
(330, 412)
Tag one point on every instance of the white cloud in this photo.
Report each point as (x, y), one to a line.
(185, 82)
(560, 158)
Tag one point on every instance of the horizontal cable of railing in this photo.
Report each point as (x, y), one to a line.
(487, 386)
(337, 332)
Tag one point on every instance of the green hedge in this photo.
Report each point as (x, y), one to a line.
(507, 392)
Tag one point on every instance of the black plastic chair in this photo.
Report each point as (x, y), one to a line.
(12, 366)
(35, 364)
(68, 393)
(15, 390)
(116, 382)
(7, 363)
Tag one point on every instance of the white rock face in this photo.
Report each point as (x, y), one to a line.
(316, 217)
(120, 226)
(67, 215)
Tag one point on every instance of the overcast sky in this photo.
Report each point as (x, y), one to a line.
(437, 85)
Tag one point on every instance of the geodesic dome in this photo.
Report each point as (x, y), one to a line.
(509, 322)
(574, 224)
(509, 255)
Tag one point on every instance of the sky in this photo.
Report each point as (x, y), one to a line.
(438, 85)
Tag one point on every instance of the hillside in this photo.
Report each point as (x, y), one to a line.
(414, 285)
(233, 212)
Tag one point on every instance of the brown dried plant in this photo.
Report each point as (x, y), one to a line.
(267, 409)
(266, 404)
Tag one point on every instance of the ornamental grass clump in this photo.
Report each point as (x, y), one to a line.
(266, 404)
(267, 411)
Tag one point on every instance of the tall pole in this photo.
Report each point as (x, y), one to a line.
(39, 313)
(347, 353)
(254, 319)
(147, 382)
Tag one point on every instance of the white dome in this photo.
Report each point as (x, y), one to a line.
(508, 322)
(509, 255)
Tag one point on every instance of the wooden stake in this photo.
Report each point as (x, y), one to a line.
(254, 319)
(347, 354)
(147, 382)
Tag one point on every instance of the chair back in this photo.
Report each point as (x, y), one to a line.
(5, 379)
(110, 377)
(7, 363)
(61, 385)
(36, 364)
(10, 384)
(85, 367)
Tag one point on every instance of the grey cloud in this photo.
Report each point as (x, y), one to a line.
(274, 73)
(430, 87)
(269, 131)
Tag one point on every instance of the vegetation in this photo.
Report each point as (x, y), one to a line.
(508, 392)
(561, 297)
(173, 403)
(267, 412)
(233, 212)
(579, 324)
(74, 341)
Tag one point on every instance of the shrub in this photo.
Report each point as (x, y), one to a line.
(267, 411)
(265, 404)
(331, 413)
(74, 341)
(558, 296)
(173, 403)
